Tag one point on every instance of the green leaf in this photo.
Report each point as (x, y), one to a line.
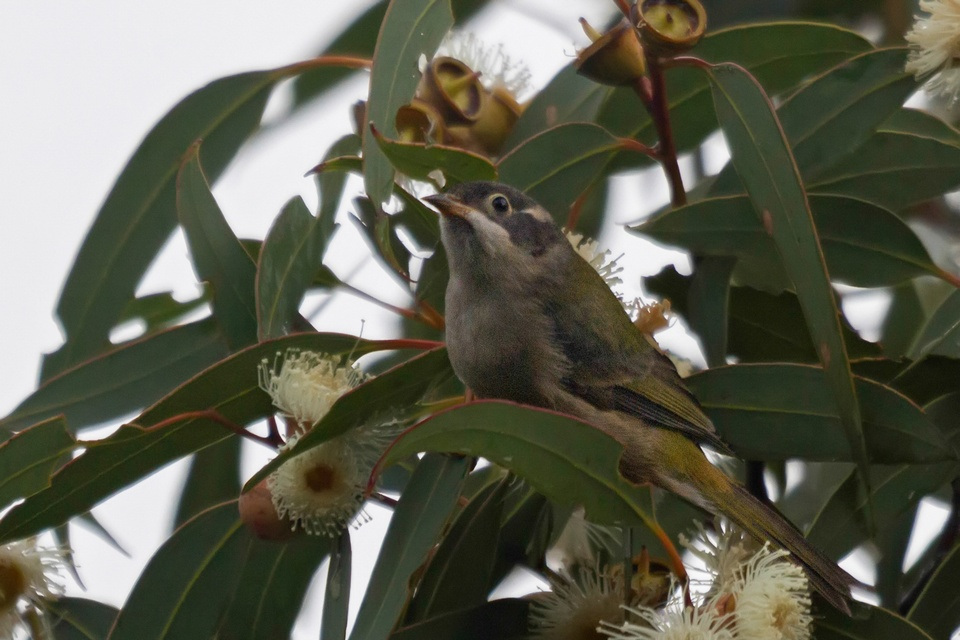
(863, 244)
(873, 624)
(569, 461)
(762, 327)
(416, 524)
(556, 166)
(397, 390)
(762, 158)
(168, 430)
(123, 379)
(189, 581)
(378, 229)
(418, 160)
(214, 478)
(28, 459)
(528, 528)
(218, 256)
(271, 589)
(331, 184)
(842, 524)
(289, 258)
(779, 54)
(159, 310)
(912, 157)
(139, 213)
(922, 381)
(941, 334)
(80, 618)
(409, 29)
(336, 599)
(840, 109)
(568, 97)
(504, 619)
(783, 411)
(459, 572)
(709, 301)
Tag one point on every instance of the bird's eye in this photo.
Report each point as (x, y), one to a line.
(500, 204)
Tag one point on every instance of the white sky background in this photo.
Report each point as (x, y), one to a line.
(81, 84)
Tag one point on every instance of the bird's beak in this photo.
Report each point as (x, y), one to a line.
(448, 205)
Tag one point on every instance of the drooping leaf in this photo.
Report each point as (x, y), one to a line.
(567, 460)
(782, 411)
(189, 582)
(418, 160)
(766, 167)
(708, 301)
(937, 609)
(409, 29)
(842, 522)
(378, 229)
(29, 458)
(872, 624)
(863, 244)
(176, 426)
(270, 592)
(459, 572)
(922, 381)
(160, 310)
(336, 598)
(504, 619)
(390, 394)
(213, 478)
(331, 184)
(913, 156)
(80, 618)
(556, 166)
(289, 259)
(139, 213)
(123, 379)
(941, 334)
(417, 521)
(218, 256)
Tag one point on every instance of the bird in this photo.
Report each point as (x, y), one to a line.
(531, 321)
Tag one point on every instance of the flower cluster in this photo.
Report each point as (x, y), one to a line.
(749, 592)
(320, 490)
(28, 577)
(935, 44)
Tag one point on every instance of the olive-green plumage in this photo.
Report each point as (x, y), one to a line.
(529, 320)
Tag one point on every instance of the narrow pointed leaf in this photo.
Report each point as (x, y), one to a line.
(505, 619)
(289, 258)
(556, 166)
(213, 478)
(567, 460)
(331, 185)
(28, 459)
(416, 524)
(409, 29)
(913, 156)
(167, 431)
(765, 165)
(161, 310)
(270, 592)
(709, 300)
(941, 334)
(218, 256)
(139, 213)
(124, 379)
(336, 600)
(876, 623)
(783, 411)
(418, 160)
(863, 244)
(80, 618)
(842, 522)
(189, 581)
(458, 575)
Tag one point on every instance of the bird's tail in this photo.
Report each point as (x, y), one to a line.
(766, 523)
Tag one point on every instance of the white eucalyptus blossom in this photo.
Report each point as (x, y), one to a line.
(29, 576)
(496, 67)
(935, 47)
(575, 607)
(674, 622)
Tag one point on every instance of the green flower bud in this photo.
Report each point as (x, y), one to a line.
(453, 89)
(498, 115)
(419, 122)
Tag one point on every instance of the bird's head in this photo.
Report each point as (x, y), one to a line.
(494, 230)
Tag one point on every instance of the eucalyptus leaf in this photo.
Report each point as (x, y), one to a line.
(419, 161)
(80, 618)
(29, 458)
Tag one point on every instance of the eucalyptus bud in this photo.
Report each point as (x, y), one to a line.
(498, 116)
(614, 58)
(453, 89)
(419, 122)
(669, 27)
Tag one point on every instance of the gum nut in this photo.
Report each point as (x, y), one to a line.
(453, 89)
(257, 512)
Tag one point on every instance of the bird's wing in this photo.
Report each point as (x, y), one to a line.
(630, 375)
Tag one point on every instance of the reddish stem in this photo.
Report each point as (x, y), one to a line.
(660, 113)
(213, 416)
